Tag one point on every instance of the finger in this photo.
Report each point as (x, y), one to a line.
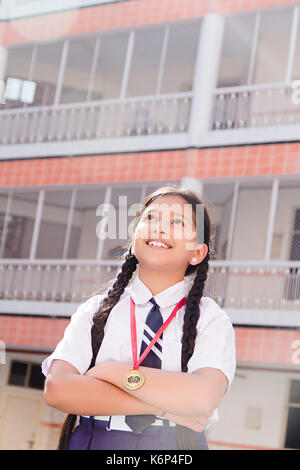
(199, 428)
(204, 421)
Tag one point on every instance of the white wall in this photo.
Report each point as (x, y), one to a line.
(259, 389)
(46, 436)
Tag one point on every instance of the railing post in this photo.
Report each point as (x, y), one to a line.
(205, 76)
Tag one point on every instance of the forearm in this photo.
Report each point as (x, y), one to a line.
(83, 395)
(173, 392)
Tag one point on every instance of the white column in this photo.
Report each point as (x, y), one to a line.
(271, 221)
(107, 200)
(3, 59)
(205, 76)
(37, 224)
(194, 184)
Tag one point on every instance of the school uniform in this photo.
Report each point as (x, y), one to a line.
(214, 347)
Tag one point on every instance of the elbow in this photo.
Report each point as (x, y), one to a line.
(206, 407)
(52, 392)
(206, 403)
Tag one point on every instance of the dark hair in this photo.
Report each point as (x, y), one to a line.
(115, 288)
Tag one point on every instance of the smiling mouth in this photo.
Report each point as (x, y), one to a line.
(158, 247)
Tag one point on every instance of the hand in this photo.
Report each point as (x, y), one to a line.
(196, 423)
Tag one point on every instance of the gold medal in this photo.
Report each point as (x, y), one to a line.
(134, 379)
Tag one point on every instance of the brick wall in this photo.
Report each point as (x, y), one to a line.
(257, 160)
(121, 15)
(270, 345)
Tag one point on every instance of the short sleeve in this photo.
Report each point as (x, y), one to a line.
(215, 341)
(75, 346)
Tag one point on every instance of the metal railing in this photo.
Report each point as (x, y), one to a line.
(233, 284)
(255, 285)
(254, 106)
(146, 115)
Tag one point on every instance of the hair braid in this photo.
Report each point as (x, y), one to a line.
(97, 332)
(112, 298)
(186, 436)
(192, 313)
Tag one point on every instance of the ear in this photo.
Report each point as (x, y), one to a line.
(132, 246)
(199, 254)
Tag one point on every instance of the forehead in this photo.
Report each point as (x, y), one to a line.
(172, 204)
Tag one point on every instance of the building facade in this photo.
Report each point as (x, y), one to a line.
(101, 100)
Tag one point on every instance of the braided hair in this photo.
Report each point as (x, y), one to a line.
(185, 436)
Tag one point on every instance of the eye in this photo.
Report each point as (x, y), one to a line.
(179, 220)
(149, 215)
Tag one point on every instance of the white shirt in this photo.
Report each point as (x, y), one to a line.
(214, 345)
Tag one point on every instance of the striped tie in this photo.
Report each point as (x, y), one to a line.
(153, 323)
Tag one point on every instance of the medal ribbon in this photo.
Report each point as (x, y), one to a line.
(136, 362)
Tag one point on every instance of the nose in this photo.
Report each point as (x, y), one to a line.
(158, 227)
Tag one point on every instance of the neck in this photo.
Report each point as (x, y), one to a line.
(158, 281)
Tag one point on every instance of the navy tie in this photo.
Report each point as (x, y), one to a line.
(153, 323)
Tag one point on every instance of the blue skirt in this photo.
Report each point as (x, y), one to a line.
(92, 434)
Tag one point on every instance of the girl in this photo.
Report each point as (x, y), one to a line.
(101, 370)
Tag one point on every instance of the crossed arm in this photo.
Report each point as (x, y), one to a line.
(101, 391)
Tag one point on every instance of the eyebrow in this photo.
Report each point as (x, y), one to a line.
(155, 211)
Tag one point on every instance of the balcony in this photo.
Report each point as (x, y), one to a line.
(240, 115)
(110, 125)
(256, 293)
(254, 114)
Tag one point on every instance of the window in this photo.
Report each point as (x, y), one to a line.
(295, 248)
(292, 281)
(83, 236)
(110, 66)
(45, 72)
(219, 203)
(17, 71)
(292, 438)
(296, 66)
(20, 223)
(251, 223)
(145, 62)
(273, 46)
(236, 51)
(53, 224)
(266, 47)
(180, 59)
(126, 202)
(78, 69)
(26, 374)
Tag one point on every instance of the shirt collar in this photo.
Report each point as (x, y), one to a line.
(141, 294)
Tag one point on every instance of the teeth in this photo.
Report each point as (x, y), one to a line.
(158, 244)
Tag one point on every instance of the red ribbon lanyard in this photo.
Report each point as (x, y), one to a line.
(136, 362)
